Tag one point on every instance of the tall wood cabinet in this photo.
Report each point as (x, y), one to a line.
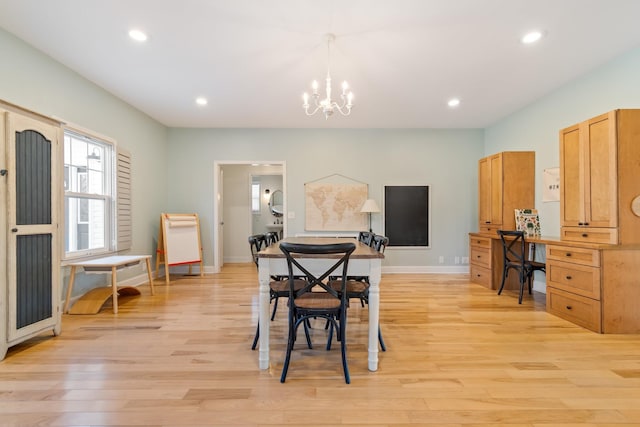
(591, 274)
(599, 175)
(30, 224)
(505, 182)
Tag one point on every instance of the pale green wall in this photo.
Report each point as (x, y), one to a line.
(444, 159)
(612, 86)
(34, 81)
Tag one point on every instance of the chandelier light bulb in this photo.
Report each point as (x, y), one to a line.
(328, 105)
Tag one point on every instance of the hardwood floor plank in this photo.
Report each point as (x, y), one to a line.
(458, 355)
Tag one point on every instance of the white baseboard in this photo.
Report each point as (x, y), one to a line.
(419, 269)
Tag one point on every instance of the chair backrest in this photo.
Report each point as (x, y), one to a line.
(379, 243)
(256, 243)
(513, 246)
(366, 237)
(271, 237)
(292, 252)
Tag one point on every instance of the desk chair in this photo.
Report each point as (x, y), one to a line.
(514, 250)
(316, 299)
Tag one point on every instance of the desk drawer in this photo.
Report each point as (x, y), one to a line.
(488, 229)
(480, 275)
(480, 256)
(579, 279)
(591, 235)
(577, 309)
(481, 242)
(582, 256)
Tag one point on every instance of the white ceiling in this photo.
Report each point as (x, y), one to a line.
(253, 59)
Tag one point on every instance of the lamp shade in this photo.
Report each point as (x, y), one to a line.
(370, 206)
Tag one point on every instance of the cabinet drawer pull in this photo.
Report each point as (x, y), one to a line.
(569, 307)
(585, 235)
(487, 222)
(568, 254)
(568, 277)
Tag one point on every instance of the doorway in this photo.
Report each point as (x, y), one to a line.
(267, 204)
(233, 216)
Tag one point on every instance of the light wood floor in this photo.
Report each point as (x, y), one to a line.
(457, 355)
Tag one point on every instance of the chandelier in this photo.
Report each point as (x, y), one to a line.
(328, 105)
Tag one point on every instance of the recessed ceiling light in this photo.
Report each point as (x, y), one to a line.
(201, 100)
(531, 37)
(453, 102)
(138, 35)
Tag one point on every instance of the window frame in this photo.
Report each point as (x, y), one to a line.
(108, 198)
(256, 202)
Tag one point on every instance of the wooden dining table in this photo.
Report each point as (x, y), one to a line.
(364, 261)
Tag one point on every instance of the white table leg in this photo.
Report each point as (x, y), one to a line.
(374, 312)
(264, 299)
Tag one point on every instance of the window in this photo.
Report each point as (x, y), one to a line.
(89, 194)
(255, 198)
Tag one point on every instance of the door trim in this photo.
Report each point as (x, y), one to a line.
(217, 166)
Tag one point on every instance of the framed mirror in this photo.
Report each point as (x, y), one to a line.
(276, 203)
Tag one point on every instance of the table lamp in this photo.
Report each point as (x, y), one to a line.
(370, 206)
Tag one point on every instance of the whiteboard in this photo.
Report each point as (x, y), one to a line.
(181, 238)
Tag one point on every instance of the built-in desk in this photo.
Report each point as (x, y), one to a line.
(592, 285)
(486, 259)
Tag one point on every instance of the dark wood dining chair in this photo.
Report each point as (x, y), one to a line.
(317, 299)
(358, 286)
(271, 237)
(366, 237)
(277, 288)
(514, 257)
(379, 243)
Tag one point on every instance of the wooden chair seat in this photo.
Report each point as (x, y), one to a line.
(317, 300)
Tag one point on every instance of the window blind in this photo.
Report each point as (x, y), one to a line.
(123, 213)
